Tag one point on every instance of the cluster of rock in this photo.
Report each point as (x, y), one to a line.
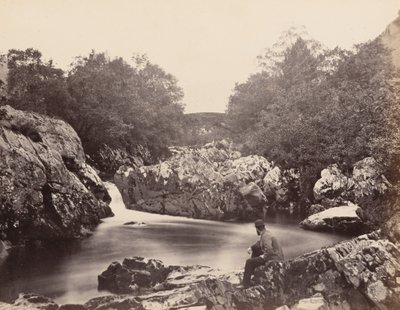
(339, 197)
(212, 182)
(362, 273)
(215, 182)
(47, 189)
(336, 188)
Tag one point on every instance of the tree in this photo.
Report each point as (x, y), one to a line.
(248, 99)
(34, 84)
(318, 107)
(123, 105)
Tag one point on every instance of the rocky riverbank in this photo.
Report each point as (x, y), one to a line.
(362, 273)
(48, 191)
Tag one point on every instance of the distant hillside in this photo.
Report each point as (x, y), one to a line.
(391, 39)
(200, 128)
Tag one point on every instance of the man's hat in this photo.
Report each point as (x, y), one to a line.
(259, 223)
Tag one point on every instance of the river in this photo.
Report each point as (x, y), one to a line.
(67, 272)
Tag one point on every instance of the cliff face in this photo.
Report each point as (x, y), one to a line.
(47, 191)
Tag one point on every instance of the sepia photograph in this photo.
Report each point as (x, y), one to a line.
(200, 154)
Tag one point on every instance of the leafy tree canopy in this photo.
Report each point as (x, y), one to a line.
(107, 101)
(310, 107)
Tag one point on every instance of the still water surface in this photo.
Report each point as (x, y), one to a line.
(68, 272)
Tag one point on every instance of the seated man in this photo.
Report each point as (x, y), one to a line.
(266, 249)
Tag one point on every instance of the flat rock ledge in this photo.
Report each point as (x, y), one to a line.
(362, 273)
(340, 219)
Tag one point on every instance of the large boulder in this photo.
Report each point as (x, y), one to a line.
(339, 219)
(134, 273)
(47, 189)
(211, 182)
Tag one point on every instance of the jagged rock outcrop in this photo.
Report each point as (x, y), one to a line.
(363, 272)
(211, 182)
(108, 160)
(47, 191)
(367, 180)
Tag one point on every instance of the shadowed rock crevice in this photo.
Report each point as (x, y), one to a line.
(28, 131)
(48, 205)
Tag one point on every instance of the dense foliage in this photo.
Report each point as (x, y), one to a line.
(107, 101)
(127, 104)
(309, 108)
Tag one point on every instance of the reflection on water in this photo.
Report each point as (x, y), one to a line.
(68, 271)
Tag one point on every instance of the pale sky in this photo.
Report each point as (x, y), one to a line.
(208, 45)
